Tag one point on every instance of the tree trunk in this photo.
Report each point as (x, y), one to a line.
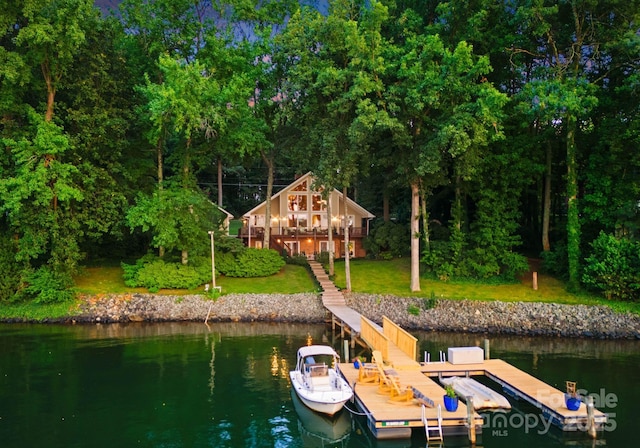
(457, 204)
(415, 237)
(546, 207)
(219, 181)
(385, 206)
(573, 221)
(267, 214)
(330, 235)
(160, 179)
(51, 91)
(347, 264)
(425, 218)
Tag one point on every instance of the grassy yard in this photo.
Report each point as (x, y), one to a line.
(372, 277)
(393, 277)
(290, 280)
(367, 276)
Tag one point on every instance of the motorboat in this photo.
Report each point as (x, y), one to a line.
(483, 396)
(317, 380)
(320, 430)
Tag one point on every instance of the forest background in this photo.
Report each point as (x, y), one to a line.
(480, 133)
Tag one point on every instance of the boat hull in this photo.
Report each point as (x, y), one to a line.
(325, 402)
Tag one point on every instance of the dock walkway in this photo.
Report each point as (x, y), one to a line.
(333, 300)
(521, 385)
(385, 418)
(388, 419)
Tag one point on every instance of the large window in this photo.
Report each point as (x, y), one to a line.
(297, 220)
(317, 203)
(301, 187)
(297, 202)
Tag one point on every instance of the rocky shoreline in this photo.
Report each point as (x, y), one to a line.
(517, 318)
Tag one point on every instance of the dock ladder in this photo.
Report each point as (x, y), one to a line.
(433, 432)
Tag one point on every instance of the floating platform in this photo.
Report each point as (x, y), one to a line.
(523, 386)
(392, 420)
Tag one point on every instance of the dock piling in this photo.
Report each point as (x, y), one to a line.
(470, 420)
(591, 421)
(487, 349)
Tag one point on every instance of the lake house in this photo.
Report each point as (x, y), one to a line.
(299, 223)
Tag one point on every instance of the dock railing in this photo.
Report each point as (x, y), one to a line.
(375, 338)
(407, 343)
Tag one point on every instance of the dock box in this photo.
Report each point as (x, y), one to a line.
(466, 355)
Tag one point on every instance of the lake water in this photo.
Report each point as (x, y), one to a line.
(227, 385)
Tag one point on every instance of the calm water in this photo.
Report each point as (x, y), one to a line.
(186, 385)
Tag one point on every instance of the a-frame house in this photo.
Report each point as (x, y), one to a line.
(299, 223)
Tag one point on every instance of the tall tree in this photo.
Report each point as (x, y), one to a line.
(446, 108)
(340, 89)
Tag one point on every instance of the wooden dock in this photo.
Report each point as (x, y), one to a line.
(333, 300)
(387, 418)
(523, 386)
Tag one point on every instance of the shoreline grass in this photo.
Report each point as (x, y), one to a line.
(367, 276)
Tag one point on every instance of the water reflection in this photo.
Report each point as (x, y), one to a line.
(226, 385)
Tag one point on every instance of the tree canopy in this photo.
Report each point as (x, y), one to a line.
(491, 131)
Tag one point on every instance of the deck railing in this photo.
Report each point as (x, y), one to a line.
(374, 337)
(258, 232)
(400, 337)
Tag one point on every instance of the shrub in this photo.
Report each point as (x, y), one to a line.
(323, 258)
(388, 237)
(413, 310)
(297, 260)
(46, 286)
(154, 273)
(10, 278)
(254, 262)
(614, 267)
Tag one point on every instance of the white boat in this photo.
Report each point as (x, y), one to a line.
(483, 396)
(319, 430)
(317, 381)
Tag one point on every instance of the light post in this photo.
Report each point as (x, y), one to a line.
(213, 264)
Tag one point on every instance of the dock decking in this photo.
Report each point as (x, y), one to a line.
(389, 419)
(523, 386)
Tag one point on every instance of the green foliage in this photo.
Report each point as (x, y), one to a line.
(448, 389)
(179, 218)
(323, 258)
(387, 240)
(154, 274)
(555, 261)
(414, 310)
(298, 260)
(44, 285)
(429, 302)
(614, 267)
(253, 262)
(10, 279)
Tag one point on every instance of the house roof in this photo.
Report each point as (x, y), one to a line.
(309, 176)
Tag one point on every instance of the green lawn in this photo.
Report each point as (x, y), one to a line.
(372, 277)
(290, 280)
(393, 277)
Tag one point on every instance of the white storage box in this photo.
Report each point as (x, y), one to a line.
(465, 355)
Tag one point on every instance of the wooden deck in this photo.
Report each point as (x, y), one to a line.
(390, 419)
(387, 415)
(523, 386)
